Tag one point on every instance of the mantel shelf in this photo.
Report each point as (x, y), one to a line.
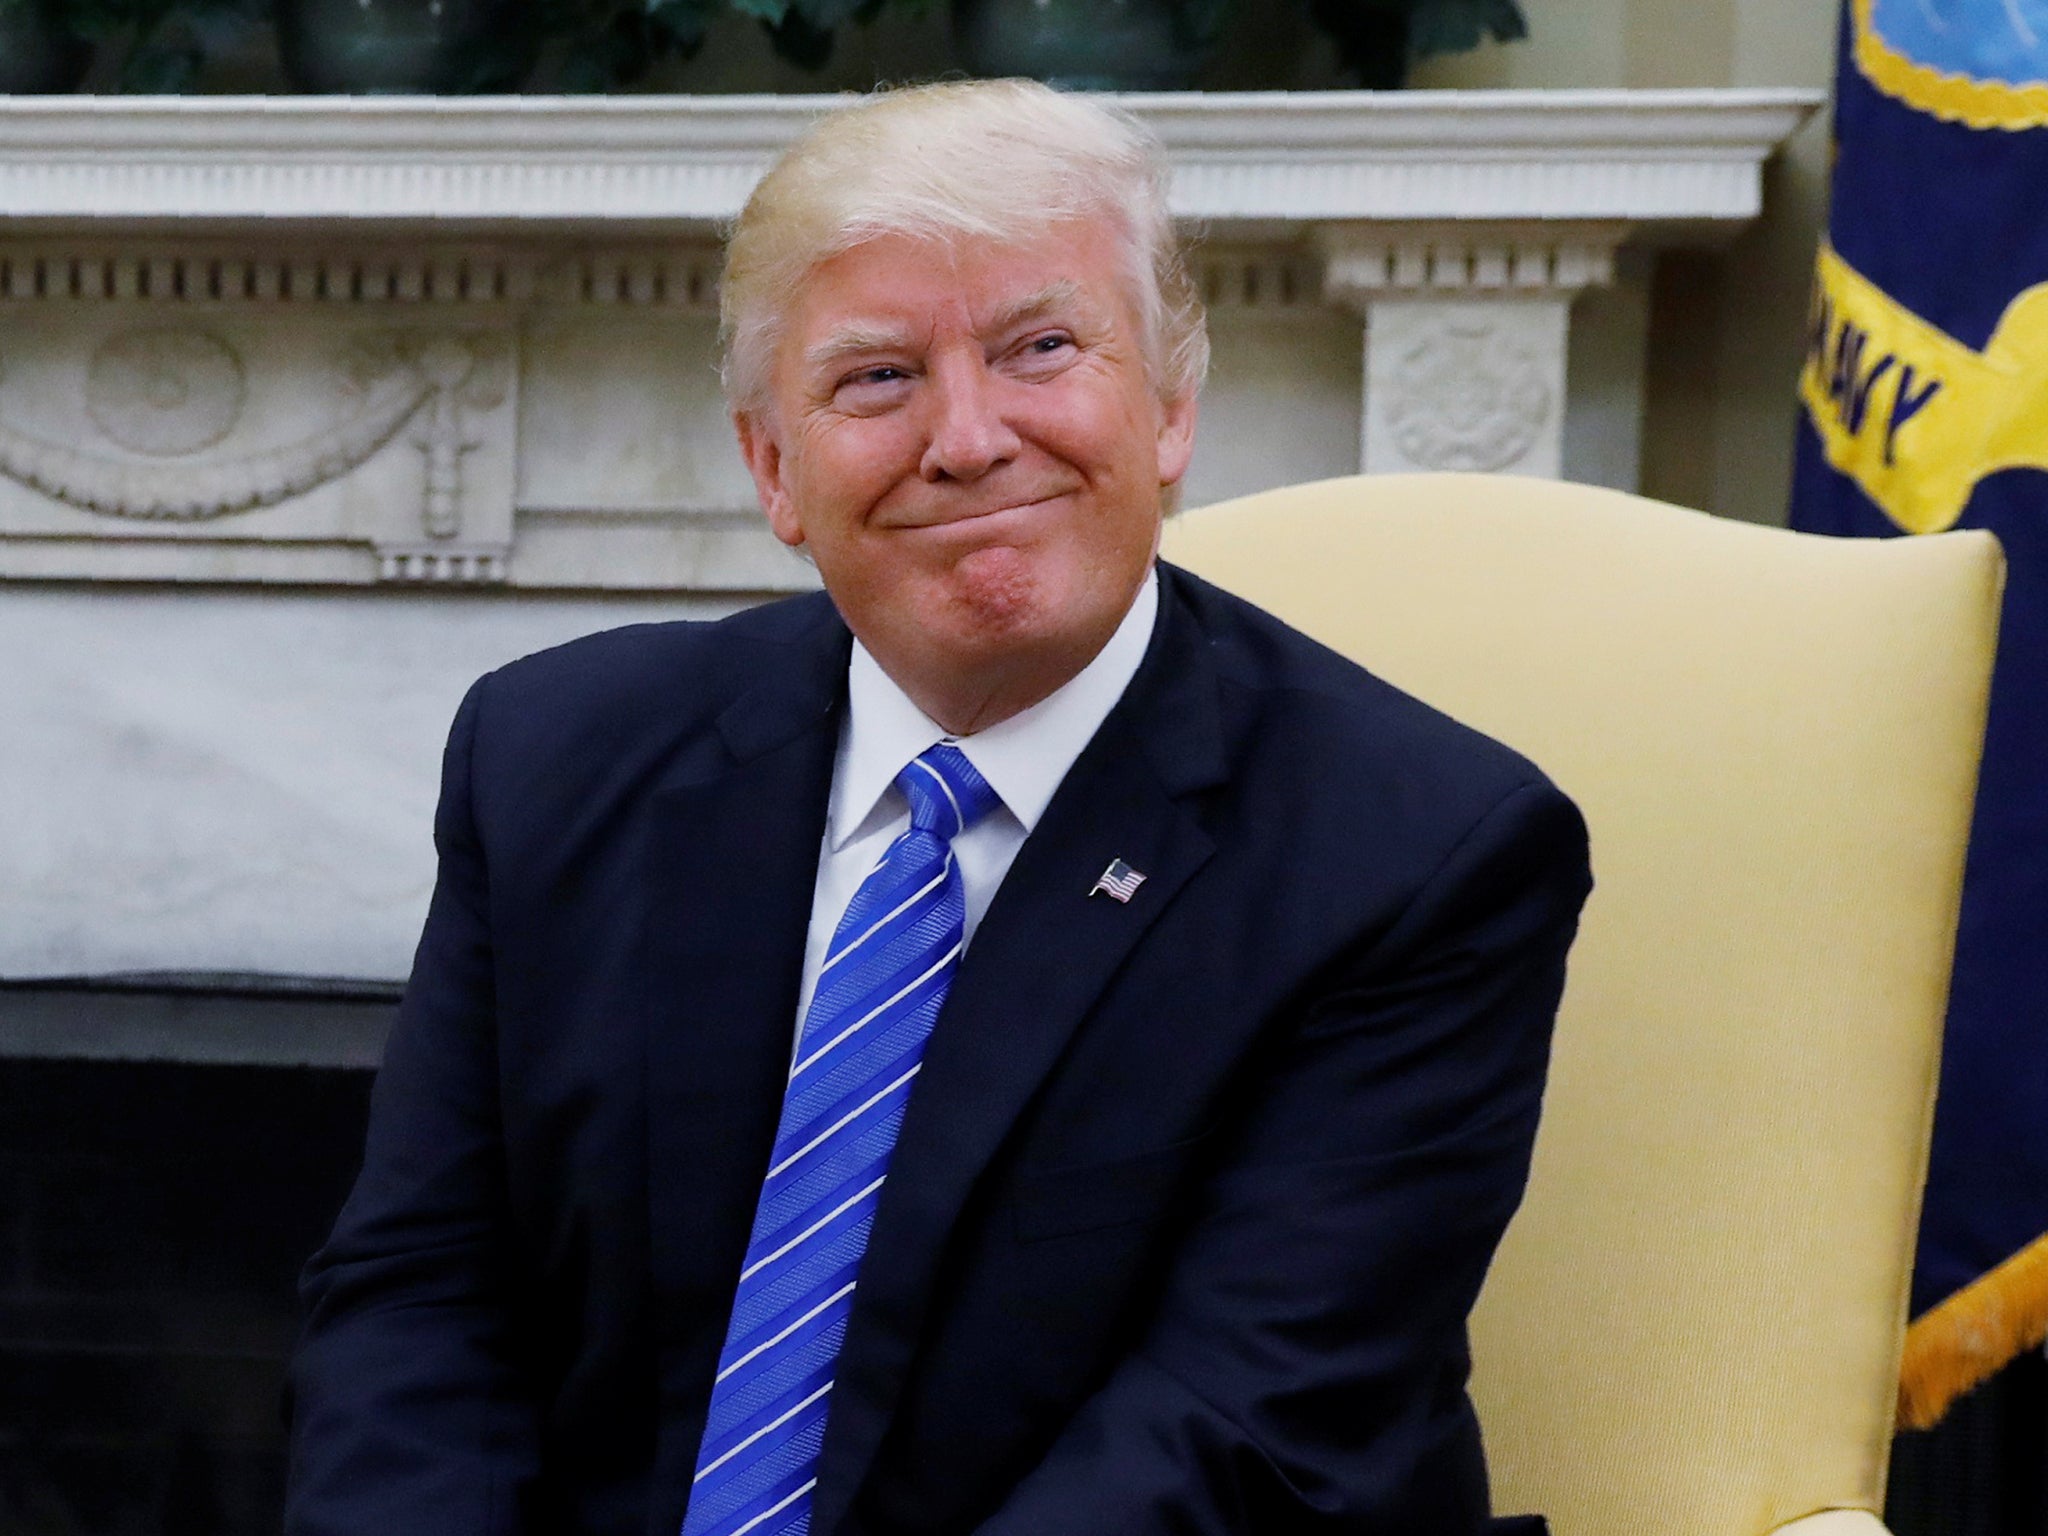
(650, 162)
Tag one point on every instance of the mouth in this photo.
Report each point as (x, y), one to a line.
(982, 517)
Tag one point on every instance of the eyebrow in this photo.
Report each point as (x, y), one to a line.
(847, 340)
(1031, 306)
(850, 340)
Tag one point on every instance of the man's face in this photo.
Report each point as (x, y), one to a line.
(965, 437)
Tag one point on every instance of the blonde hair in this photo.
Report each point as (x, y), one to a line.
(1001, 160)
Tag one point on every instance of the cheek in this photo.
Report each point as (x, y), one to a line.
(854, 457)
(1125, 434)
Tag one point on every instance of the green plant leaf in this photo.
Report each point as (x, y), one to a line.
(161, 68)
(94, 23)
(582, 71)
(769, 13)
(825, 15)
(1452, 26)
(798, 41)
(1197, 21)
(219, 28)
(1371, 37)
(676, 26)
(605, 58)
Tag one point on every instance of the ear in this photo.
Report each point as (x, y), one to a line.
(763, 453)
(1176, 438)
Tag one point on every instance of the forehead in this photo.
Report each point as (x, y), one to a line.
(921, 284)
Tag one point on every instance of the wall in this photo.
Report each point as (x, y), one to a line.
(241, 780)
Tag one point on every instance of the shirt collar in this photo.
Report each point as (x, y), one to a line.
(1024, 758)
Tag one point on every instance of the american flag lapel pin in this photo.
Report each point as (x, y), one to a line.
(1119, 881)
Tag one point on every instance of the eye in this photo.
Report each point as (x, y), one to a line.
(1043, 354)
(874, 387)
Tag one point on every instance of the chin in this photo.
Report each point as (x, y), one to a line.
(1000, 588)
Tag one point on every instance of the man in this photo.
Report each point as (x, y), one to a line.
(1020, 1043)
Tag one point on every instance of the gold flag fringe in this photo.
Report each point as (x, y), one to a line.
(1952, 1347)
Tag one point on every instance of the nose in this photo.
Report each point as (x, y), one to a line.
(969, 435)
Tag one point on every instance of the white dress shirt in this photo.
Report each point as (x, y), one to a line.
(1023, 758)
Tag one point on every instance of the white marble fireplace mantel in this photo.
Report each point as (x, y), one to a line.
(575, 162)
(366, 340)
(312, 410)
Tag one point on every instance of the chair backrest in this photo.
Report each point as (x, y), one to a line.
(1694, 1323)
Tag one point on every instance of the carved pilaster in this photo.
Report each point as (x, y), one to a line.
(1465, 339)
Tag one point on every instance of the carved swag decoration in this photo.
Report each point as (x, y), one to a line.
(169, 393)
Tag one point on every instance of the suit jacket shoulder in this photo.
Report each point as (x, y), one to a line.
(605, 716)
(1374, 768)
(610, 679)
(1260, 653)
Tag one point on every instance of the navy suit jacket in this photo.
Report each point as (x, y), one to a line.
(1187, 1212)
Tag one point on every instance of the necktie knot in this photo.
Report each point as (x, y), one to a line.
(946, 793)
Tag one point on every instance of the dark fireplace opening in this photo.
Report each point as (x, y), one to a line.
(153, 1219)
(173, 1147)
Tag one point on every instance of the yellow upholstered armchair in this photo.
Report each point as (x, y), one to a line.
(1693, 1327)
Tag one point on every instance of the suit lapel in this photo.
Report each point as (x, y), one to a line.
(1013, 1008)
(733, 858)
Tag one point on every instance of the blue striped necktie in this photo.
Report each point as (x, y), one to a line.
(884, 978)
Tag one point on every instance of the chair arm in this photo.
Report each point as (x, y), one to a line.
(1834, 1522)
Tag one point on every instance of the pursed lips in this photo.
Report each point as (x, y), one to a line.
(957, 519)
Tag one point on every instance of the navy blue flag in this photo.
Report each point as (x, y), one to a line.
(1925, 407)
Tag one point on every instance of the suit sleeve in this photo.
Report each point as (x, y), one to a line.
(1304, 1369)
(410, 1410)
